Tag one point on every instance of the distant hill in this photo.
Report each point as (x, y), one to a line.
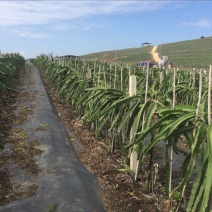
(122, 55)
(190, 53)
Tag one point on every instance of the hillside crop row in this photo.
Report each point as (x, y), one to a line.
(130, 55)
(185, 54)
(191, 53)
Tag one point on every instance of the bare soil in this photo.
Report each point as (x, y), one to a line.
(155, 54)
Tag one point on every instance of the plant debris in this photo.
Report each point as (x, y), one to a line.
(18, 150)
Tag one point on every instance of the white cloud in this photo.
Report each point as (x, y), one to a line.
(61, 27)
(14, 13)
(90, 26)
(200, 23)
(25, 33)
(80, 25)
(22, 53)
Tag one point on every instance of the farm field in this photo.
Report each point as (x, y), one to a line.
(192, 53)
(105, 106)
(166, 106)
(144, 133)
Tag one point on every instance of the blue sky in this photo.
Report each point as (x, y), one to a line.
(81, 27)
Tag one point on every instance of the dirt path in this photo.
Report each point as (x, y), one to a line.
(155, 54)
(43, 169)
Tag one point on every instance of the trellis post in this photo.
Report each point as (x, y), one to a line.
(133, 156)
